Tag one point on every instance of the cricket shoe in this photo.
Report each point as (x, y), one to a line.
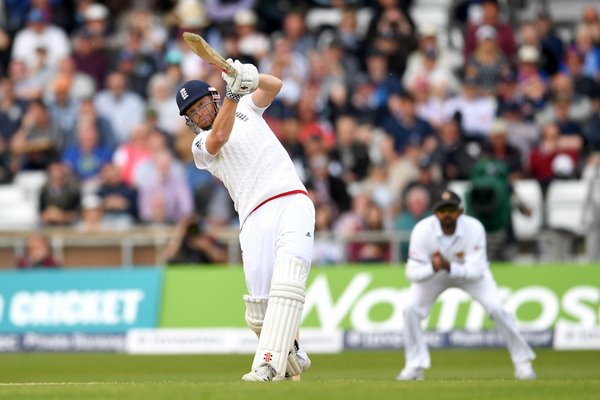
(411, 374)
(264, 373)
(524, 371)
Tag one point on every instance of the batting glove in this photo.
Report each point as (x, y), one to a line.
(230, 79)
(245, 80)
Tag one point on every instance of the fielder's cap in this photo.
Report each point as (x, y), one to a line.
(486, 32)
(446, 198)
(192, 91)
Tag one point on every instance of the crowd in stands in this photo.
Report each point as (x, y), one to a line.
(376, 114)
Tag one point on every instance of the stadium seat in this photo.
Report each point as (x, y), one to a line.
(17, 211)
(31, 182)
(530, 193)
(460, 188)
(565, 205)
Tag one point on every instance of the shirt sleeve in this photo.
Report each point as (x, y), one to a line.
(476, 261)
(418, 266)
(248, 102)
(202, 158)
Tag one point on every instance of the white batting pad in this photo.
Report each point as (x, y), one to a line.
(284, 311)
(256, 308)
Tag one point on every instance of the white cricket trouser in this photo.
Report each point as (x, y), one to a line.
(281, 227)
(421, 297)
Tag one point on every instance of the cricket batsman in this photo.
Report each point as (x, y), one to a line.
(277, 218)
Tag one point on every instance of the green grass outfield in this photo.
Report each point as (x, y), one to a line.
(456, 374)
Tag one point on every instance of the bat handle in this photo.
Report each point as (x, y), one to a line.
(230, 71)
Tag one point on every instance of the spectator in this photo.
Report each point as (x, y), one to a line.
(491, 16)
(87, 157)
(431, 62)
(82, 86)
(403, 124)
(89, 115)
(585, 45)
(371, 251)
(349, 153)
(90, 58)
(549, 39)
(290, 66)
(161, 100)
(192, 244)
(310, 123)
(327, 250)
(40, 34)
(96, 22)
(429, 178)
(39, 140)
(523, 134)
(477, 112)
(579, 108)
(583, 85)
(327, 188)
(63, 107)
(499, 149)
(128, 155)
(487, 63)
(542, 158)
(416, 207)
(592, 129)
(402, 169)
(123, 108)
(295, 32)
(59, 197)
(119, 201)
(550, 58)
(370, 97)
(164, 196)
(38, 254)
(531, 83)
(452, 153)
(12, 111)
(28, 85)
(391, 33)
(135, 64)
(92, 215)
(252, 42)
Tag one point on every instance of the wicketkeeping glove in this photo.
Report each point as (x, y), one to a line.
(245, 80)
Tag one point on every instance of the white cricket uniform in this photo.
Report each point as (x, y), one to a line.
(277, 218)
(465, 250)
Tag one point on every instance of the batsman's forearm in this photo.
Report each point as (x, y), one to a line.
(221, 129)
(268, 87)
(269, 83)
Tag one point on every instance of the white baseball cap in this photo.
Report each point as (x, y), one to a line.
(244, 18)
(529, 54)
(486, 32)
(95, 12)
(428, 30)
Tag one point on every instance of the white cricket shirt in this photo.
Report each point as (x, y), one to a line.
(253, 165)
(465, 250)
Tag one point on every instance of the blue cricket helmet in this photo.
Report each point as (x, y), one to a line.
(191, 91)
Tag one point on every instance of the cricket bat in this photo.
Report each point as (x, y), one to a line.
(207, 53)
